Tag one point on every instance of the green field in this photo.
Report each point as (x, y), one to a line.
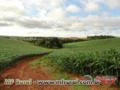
(73, 57)
(89, 57)
(94, 57)
(95, 45)
(10, 49)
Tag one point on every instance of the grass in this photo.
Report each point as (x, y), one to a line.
(10, 49)
(103, 55)
(94, 45)
(67, 58)
(56, 72)
(81, 88)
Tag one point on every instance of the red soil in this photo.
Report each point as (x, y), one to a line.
(23, 71)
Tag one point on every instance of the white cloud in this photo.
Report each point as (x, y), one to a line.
(92, 7)
(50, 18)
(113, 3)
(56, 14)
(98, 22)
(13, 8)
(57, 2)
(47, 9)
(73, 9)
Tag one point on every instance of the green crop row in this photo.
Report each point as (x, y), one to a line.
(95, 63)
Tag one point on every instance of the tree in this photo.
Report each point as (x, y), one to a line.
(51, 42)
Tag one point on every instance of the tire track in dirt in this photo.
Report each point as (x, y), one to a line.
(23, 71)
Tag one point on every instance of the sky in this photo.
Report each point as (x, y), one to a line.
(59, 18)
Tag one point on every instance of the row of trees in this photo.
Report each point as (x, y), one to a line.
(54, 42)
(49, 42)
(100, 37)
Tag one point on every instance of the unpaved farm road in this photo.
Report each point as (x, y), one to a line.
(23, 71)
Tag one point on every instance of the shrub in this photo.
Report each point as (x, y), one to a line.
(49, 43)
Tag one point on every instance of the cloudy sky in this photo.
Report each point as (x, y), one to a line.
(62, 18)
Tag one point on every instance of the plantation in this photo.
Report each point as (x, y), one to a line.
(104, 63)
(95, 57)
(89, 57)
(10, 49)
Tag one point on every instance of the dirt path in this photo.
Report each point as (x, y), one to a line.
(23, 71)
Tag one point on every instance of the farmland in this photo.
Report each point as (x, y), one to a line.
(74, 57)
(95, 57)
(95, 45)
(10, 49)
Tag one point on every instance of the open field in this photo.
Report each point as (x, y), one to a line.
(94, 57)
(10, 49)
(95, 45)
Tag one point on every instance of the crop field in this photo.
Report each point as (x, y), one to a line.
(95, 45)
(93, 57)
(10, 49)
(96, 57)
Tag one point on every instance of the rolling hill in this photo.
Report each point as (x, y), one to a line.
(11, 48)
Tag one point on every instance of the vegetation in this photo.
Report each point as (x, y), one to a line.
(104, 63)
(48, 42)
(71, 40)
(94, 57)
(94, 45)
(10, 49)
(57, 73)
(65, 40)
(100, 37)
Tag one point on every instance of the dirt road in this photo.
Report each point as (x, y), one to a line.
(23, 71)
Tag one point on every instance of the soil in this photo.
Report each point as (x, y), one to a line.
(23, 71)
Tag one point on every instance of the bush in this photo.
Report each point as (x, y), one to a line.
(49, 43)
